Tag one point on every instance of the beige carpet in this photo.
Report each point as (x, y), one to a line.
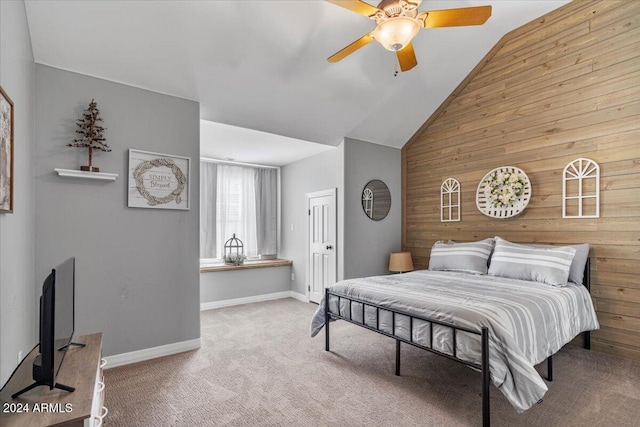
(258, 367)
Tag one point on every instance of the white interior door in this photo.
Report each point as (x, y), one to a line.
(322, 257)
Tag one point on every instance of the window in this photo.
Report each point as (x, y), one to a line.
(241, 200)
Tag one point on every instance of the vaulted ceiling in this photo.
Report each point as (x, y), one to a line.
(262, 64)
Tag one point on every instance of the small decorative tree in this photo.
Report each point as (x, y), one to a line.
(92, 134)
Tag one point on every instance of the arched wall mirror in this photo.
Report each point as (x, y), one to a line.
(376, 200)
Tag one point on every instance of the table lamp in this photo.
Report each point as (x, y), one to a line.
(400, 262)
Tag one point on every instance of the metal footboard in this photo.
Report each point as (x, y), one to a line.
(483, 334)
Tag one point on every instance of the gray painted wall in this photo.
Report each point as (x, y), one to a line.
(367, 243)
(319, 172)
(137, 270)
(18, 295)
(363, 245)
(224, 285)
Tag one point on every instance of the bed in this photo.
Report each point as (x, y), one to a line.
(501, 326)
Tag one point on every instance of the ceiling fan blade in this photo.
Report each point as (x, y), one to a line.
(362, 41)
(357, 6)
(457, 17)
(407, 58)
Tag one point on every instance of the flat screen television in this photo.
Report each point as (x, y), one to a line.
(57, 321)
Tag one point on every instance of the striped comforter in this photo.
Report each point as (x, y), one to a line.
(527, 321)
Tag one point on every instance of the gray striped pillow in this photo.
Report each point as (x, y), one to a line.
(548, 265)
(576, 271)
(470, 257)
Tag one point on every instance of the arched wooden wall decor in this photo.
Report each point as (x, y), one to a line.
(450, 200)
(581, 189)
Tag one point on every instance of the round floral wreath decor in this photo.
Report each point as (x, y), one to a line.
(503, 192)
(503, 188)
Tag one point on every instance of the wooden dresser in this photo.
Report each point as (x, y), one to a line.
(81, 368)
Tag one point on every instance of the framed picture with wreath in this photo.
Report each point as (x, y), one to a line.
(158, 181)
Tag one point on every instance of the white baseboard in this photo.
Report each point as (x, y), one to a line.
(179, 347)
(151, 353)
(299, 296)
(249, 300)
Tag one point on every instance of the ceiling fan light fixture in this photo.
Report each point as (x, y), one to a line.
(396, 33)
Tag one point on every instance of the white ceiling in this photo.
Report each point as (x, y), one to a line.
(262, 65)
(225, 142)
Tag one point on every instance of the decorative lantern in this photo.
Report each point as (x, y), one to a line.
(234, 251)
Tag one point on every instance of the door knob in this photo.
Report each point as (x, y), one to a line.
(329, 247)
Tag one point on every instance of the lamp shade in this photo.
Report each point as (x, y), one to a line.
(396, 33)
(400, 262)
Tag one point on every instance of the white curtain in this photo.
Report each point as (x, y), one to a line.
(236, 208)
(240, 200)
(266, 183)
(208, 178)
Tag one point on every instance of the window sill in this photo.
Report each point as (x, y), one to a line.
(263, 263)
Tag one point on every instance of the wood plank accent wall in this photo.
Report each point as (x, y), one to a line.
(564, 86)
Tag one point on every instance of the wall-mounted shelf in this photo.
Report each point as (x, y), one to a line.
(70, 173)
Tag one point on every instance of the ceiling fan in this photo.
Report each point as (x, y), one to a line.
(399, 21)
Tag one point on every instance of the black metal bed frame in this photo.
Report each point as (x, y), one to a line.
(483, 333)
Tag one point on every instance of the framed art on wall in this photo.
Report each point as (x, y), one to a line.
(6, 152)
(159, 181)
